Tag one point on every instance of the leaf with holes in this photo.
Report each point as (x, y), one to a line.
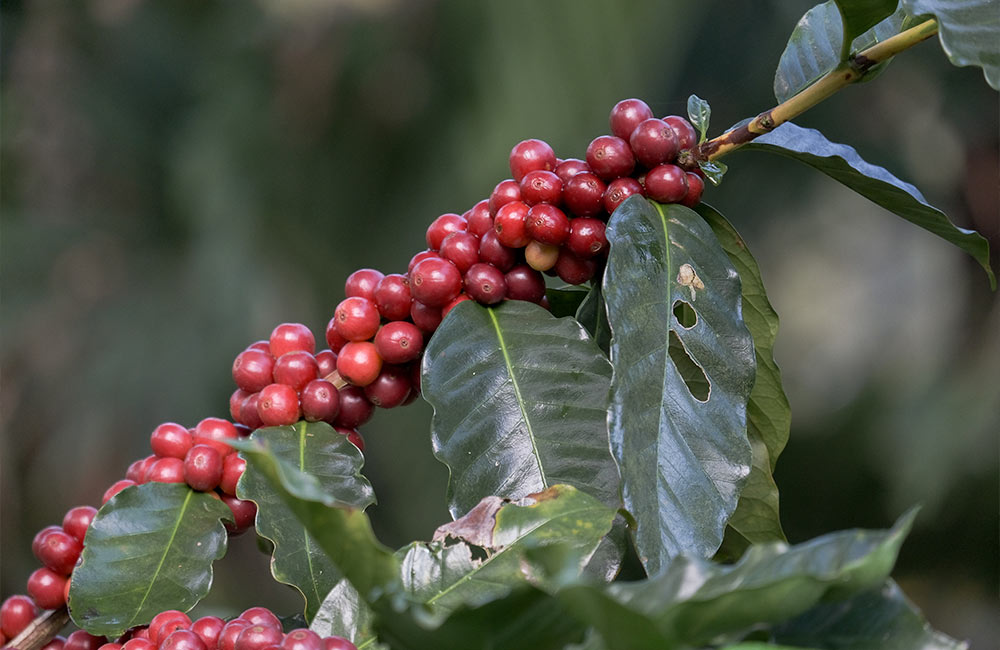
(683, 460)
(480, 557)
(768, 414)
(150, 548)
(344, 613)
(520, 404)
(843, 164)
(969, 32)
(315, 448)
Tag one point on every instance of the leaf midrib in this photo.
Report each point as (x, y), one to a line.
(163, 558)
(305, 534)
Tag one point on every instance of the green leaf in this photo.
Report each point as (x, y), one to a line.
(520, 404)
(818, 44)
(969, 31)
(344, 613)
(879, 619)
(683, 460)
(445, 575)
(315, 448)
(149, 549)
(565, 301)
(768, 413)
(713, 170)
(842, 163)
(699, 113)
(344, 533)
(593, 316)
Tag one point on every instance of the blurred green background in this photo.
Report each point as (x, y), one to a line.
(179, 177)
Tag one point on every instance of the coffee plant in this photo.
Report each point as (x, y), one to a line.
(611, 442)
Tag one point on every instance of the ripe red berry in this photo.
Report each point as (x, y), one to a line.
(584, 194)
(619, 190)
(435, 282)
(78, 520)
(586, 237)
(170, 440)
(138, 643)
(510, 225)
(252, 369)
(39, 538)
(653, 142)
(359, 363)
(687, 137)
(547, 224)
(182, 640)
(573, 270)
(626, 115)
(157, 630)
(261, 616)
(302, 639)
(541, 187)
(289, 337)
(333, 339)
(420, 257)
(493, 252)
(525, 283)
(166, 470)
(46, 588)
(666, 183)
(15, 614)
(569, 168)
(59, 551)
(425, 317)
(539, 256)
(442, 227)
(462, 297)
(506, 191)
(355, 409)
(485, 283)
(353, 436)
(115, 488)
(81, 640)
(326, 362)
(203, 468)
(356, 319)
(249, 415)
(610, 157)
(138, 469)
(390, 388)
(338, 643)
(278, 405)
(461, 249)
(209, 628)
(243, 513)
(362, 283)
(235, 404)
(230, 632)
(479, 218)
(695, 187)
(232, 470)
(531, 155)
(296, 369)
(257, 637)
(400, 341)
(392, 297)
(215, 432)
(320, 401)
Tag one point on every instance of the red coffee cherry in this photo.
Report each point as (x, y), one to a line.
(547, 224)
(136, 643)
(619, 190)
(584, 194)
(541, 257)
(203, 468)
(166, 470)
(326, 362)
(230, 632)
(208, 628)
(695, 187)
(15, 615)
(252, 369)
(587, 237)
(257, 637)
(115, 488)
(158, 630)
(461, 249)
(235, 405)
(232, 469)
(525, 283)
(359, 362)
(610, 157)
(170, 440)
(541, 187)
(215, 432)
(59, 551)
(569, 168)
(362, 283)
(302, 639)
(289, 337)
(249, 415)
(296, 369)
(479, 218)
(243, 513)
(78, 520)
(666, 183)
(462, 297)
(39, 539)
(81, 640)
(573, 270)
(183, 640)
(400, 341)
(485, 283)
(506, 191)
(138, 469)
(687, 137)
(47, 588)
(261, 616)
(435, 282)
(353, 436)
(320, 401)
(510, 225)
(654, 142)
(356, 319)
(531, 155)
(57, 643)
(278, 405)
(493, 252)
(390, 388)
(626, 115)
(355, 409)
(442, 227)
(392, 297)
(338, 643)
(425, 317)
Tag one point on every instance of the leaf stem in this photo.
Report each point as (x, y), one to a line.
(841, 76)
(41, 630)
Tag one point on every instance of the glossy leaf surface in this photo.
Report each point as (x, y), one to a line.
(969, 31)
(344, 613)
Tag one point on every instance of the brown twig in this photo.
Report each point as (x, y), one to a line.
(41, 630)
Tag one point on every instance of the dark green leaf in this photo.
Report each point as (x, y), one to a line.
(879, 619)
(520, 404)
(683, 460)
(861, 15)
(713, 170)
(768, 414)
(344, 613)
(700, 113)
(760, 645)
(843, 164)
(969, 32)
(446, 575)
(593, 315)
(565, 301)
(149, 549)
(344, 533)
(315, 448)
